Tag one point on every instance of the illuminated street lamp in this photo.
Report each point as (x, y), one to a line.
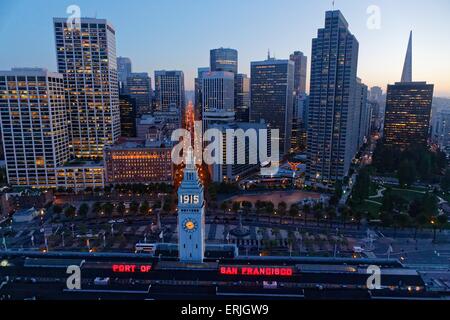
(434, 224)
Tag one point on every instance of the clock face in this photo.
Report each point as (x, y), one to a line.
(190, 225)
(189, 199)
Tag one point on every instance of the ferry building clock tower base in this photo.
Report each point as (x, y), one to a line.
(191, 215)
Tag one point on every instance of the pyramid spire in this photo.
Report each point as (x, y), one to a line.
(407, 67)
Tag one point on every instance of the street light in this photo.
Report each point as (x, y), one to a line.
(433, 223)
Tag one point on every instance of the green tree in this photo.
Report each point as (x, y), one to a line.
(259, 205)
(294, 211)
(224, 206)
(70, 211)
(145, 207)
(108, 209)
(236, 206)
(168, 201)
(331, 214)
(402, 220)
(361, 190)
(338, 191)
(406, 173)
(57, 209)
(120, 209)
(345, 214)
(282, 208)
(83, 210)
(247, 205)
(97, 207)
(306, 210)
(134, 207)
(445, 181)
(270, 207)
(442, 220)
(387, 218)
(429, 205)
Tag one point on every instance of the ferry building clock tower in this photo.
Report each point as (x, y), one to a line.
(191, 215)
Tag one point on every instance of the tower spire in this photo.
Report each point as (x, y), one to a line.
(407, 67)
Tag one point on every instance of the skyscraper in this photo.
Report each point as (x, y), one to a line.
(169, 90)
(124, 69)
(139, 87)
(300, 123)
(376, 93)
(198, 91)
(34, 126)
(331, 133)
(224, 59)
(441, 129)
(242, 97)
(300, 70)
(361, 115)
(408, 109)
(217, 98)
(272, 87)
(127, 116)
(87, 59)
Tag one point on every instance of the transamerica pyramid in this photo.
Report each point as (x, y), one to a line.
(407, 67)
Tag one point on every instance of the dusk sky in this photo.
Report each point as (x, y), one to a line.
(178, 34)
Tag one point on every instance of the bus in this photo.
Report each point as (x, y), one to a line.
(149, 248)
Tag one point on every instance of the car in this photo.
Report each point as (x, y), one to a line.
(101, 281)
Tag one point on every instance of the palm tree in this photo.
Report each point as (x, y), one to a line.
(259, 206)
(358, 216)
(293, 211)
(145, 207)
(345, 214)
(442, 220)
(247, 205)
(83, 210)
(120, 209)
(331, 214)
(270, 207)
(236, 206)
(282, 207)
(224, 206)
(318, 215)
(134, 207)
(97, 207)
(306, 211)
(108, 209)
(70, 211)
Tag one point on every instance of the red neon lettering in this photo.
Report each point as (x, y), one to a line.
(145, 269)
(229, 270)
(257, 271)
(130, 268)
